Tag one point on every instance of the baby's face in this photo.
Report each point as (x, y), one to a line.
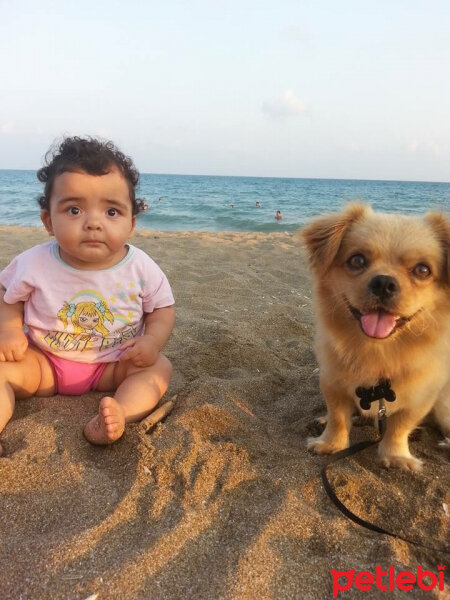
(91, 218)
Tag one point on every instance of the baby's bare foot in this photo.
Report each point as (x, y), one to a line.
(108, 426)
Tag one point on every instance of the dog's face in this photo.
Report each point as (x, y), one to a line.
(380, 274)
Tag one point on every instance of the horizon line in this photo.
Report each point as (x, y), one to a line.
(273, 177)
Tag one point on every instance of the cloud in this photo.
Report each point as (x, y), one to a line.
(413, 145)
(286, 105)
(7, 127)
(428, 147)
(14, 129)
(295, 33)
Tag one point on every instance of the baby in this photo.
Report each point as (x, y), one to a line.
(97, 311)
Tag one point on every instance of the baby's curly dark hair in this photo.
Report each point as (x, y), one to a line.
(93, 156)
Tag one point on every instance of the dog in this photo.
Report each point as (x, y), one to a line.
(382, 293)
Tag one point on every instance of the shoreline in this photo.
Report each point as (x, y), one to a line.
(222, 499)
(145, 233)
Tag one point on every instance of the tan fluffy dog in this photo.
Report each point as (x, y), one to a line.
(382, 287)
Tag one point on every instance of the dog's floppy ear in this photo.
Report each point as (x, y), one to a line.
(323, 236)
(440, 222)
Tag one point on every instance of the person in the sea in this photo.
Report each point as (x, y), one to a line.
(98, 311)
(278, 215)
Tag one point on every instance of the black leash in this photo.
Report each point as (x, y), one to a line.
(380, 392)
(330, 491)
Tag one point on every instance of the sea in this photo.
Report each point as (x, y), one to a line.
(219, 203)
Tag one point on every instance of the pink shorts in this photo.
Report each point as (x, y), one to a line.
(74, 378)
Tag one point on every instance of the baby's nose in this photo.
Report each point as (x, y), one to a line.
(93, 221)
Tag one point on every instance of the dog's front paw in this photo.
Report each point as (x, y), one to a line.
(407, 463)
(321, 446)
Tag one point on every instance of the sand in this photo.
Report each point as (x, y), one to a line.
(221, 500)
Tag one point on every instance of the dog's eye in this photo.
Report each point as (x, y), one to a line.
(421, 271)
(357, 262)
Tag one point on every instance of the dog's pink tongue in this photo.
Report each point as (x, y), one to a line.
(377, 324)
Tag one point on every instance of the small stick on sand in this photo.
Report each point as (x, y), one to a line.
(157, 415)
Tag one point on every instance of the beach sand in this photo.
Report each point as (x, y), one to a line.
(221, 500)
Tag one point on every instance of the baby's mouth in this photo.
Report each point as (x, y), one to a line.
(378, 323)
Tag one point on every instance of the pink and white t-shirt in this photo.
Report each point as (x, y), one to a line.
(84, 315)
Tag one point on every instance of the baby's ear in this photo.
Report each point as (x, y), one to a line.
(47, 221)
(324, 235)
(440, 223)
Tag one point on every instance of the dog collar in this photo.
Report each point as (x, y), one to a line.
(382, 391)
(376, 392)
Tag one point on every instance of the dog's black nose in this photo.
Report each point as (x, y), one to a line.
(384, 286)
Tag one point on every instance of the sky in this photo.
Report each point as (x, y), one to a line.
(287, 88)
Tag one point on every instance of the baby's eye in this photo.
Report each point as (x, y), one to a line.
(357, 262)
(74, 210)
(112, 212)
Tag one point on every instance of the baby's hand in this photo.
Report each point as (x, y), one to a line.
(13, 345)
(143, 351)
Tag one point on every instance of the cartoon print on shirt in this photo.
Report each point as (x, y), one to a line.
(86, 318)
(85, 325)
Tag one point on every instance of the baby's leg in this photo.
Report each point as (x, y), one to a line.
(139, 390)
(21, 379)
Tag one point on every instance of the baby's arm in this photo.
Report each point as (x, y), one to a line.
(13, 341)
(144, 350)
